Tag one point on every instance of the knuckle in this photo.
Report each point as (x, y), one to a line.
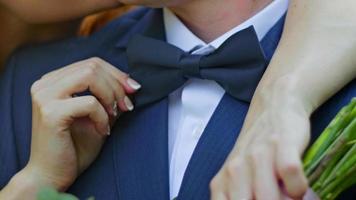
(47, 112)
(91, 70)
(35, 87)
(49, 115)
(91, 101)
(233, 168)
(45, 76)
(256, 154)
(303, 187)
(290, 169)
(298, 192)
(214, 183)
(37, 97)
(273, 140)
(48, 74)
(95, 60)
(120, 93)
(88, 73)
(94, 64)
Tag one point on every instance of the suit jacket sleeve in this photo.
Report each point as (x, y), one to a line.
(8, 153)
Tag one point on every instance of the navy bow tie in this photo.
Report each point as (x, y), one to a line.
(161, 68)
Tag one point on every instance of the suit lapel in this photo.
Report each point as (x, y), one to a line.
(141, 153)
(213, 147)
(141, 137)
(220, 135)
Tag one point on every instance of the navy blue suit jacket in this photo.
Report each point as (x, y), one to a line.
(133, 164)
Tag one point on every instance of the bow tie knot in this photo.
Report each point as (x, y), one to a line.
(190, 65)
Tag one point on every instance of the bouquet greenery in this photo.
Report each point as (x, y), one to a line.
(330, 163)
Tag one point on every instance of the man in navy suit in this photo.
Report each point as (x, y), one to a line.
(169, 148)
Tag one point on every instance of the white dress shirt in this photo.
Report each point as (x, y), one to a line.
(191, 106)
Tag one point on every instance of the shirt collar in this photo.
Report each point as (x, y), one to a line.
(179, 35)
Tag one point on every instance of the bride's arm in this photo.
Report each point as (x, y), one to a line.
(315, 59)
(317, 53)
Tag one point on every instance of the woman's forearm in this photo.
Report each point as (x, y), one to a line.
(315, 58)
(317, 53)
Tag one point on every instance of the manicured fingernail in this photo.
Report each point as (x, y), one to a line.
(114, 109)
(108, 130)
(128, 104)
(133, 84)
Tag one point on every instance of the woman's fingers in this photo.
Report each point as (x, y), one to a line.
(97, 81)
(264, 178)
(233, 181)
(130, 86)
(290, 170)
(217, 189)
(241, 182)
(119, 96)
(89, 78)
(98, 68)
(84, 106)
(124, 84)
(218, 196)
(255, 172)
(271, 149)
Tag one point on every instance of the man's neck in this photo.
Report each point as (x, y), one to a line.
(209, 19)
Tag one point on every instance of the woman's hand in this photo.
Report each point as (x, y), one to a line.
(307, 69)
(68, 131)
(266, 162)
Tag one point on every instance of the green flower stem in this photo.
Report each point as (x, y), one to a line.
(351, 180)
(330, 189)
(330, 163)
(343, 165)
(331, 156)
(327, 163)
(315, 152)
